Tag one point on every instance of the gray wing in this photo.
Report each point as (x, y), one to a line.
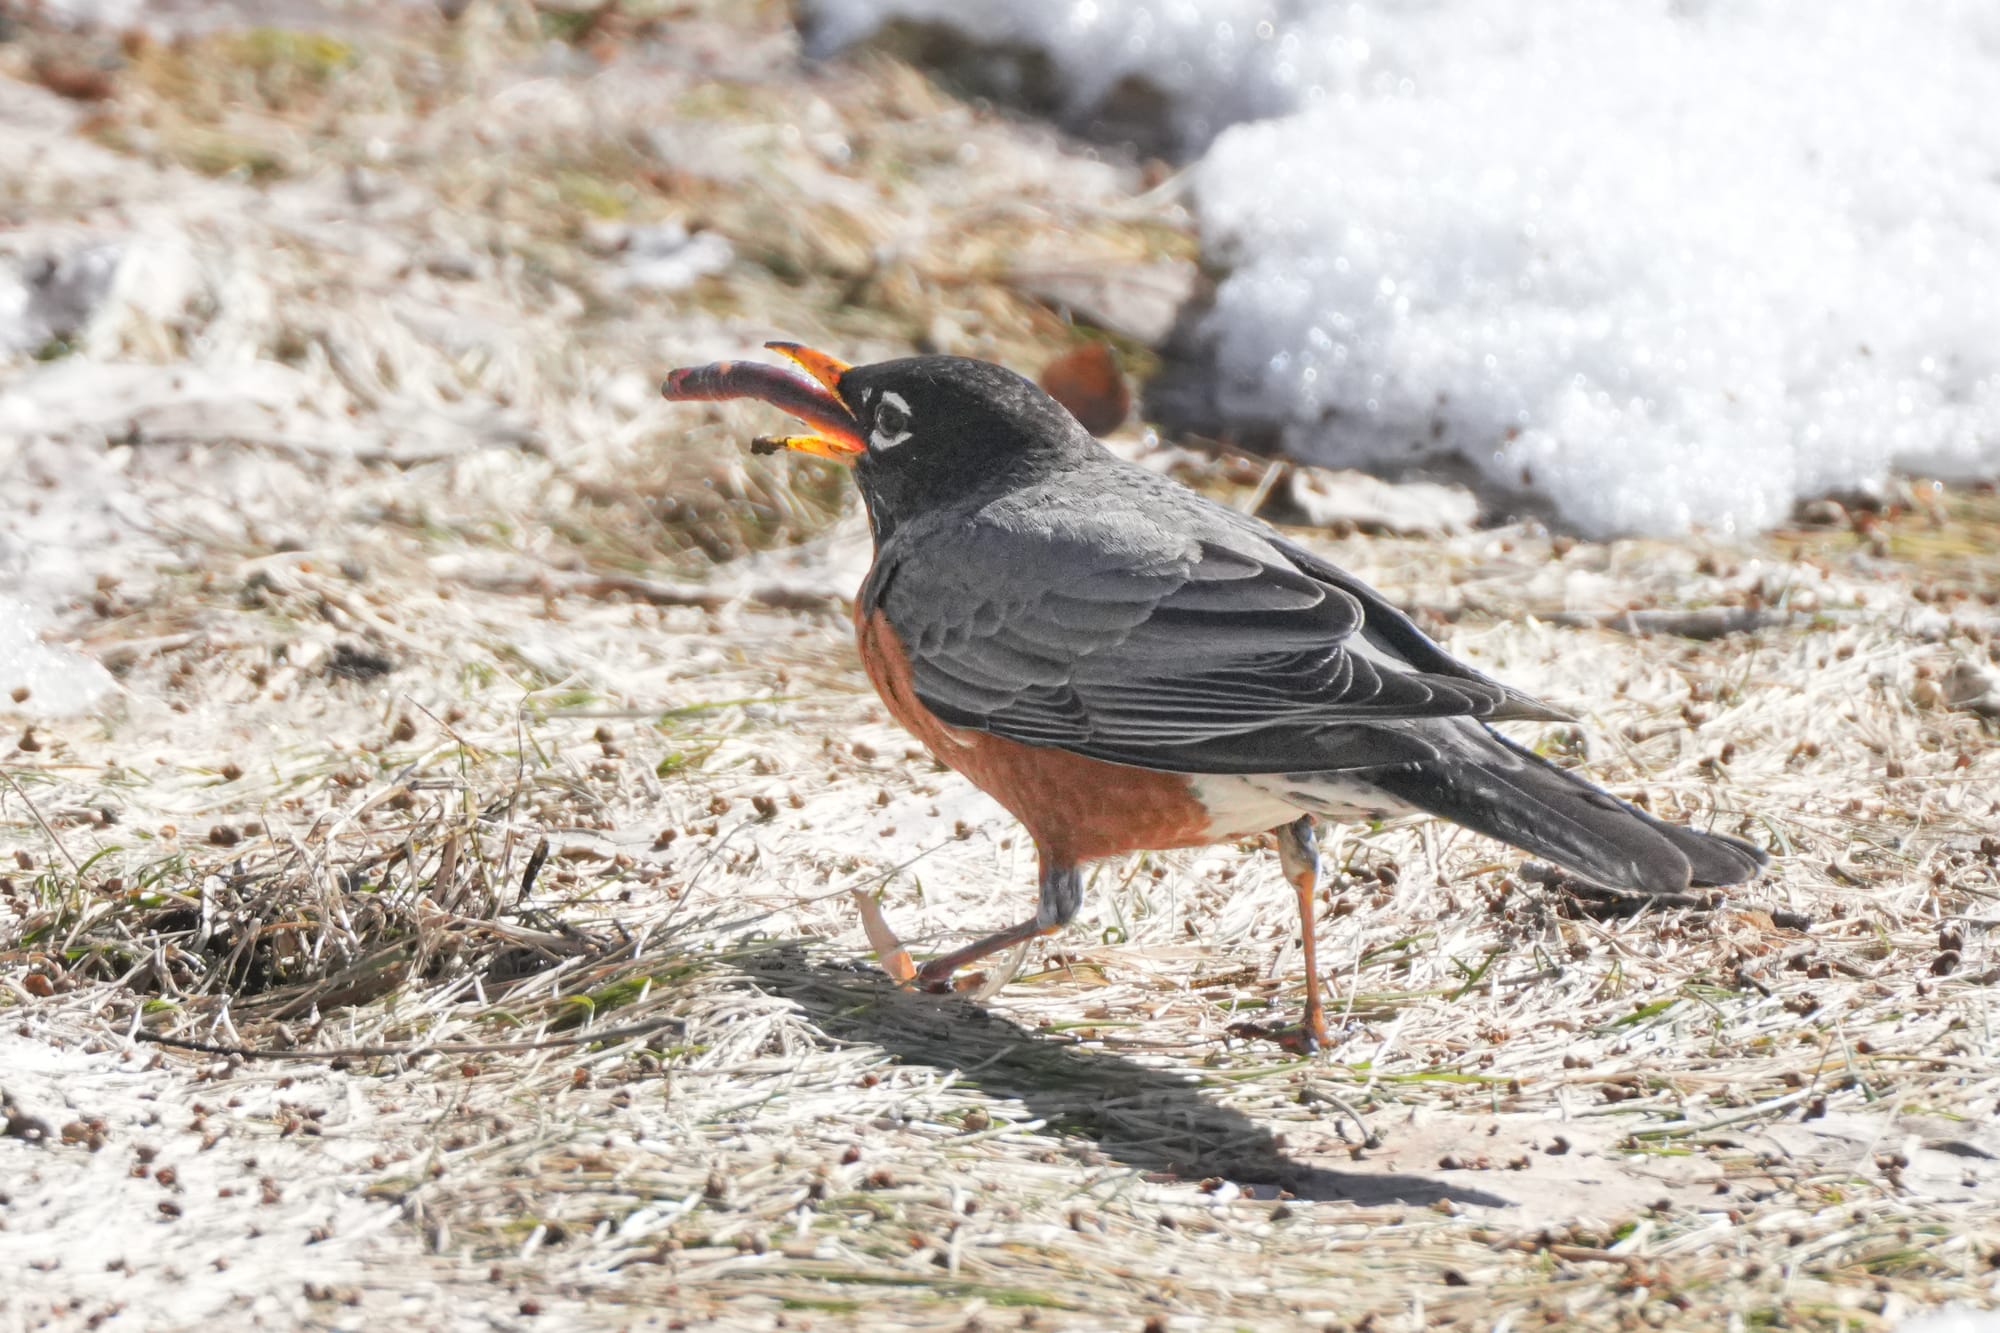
(1208, 645)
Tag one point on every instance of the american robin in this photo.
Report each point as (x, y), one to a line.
(1125, 665)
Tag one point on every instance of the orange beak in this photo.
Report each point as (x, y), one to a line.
(819, 365)
(837, 436)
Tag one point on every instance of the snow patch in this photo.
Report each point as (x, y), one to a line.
(50, 680)
(1953, 1319)
(1657, 266)
(90, 288)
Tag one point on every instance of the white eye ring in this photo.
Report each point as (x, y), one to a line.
(892, 422)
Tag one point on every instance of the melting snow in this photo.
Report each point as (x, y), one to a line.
(1655, 265)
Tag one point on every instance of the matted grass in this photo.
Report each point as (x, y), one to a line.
(493, 731)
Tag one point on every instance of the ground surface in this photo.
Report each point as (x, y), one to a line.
(487, 723)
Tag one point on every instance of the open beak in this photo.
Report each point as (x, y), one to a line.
(817, 402)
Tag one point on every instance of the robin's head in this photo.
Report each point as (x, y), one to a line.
(921, 432)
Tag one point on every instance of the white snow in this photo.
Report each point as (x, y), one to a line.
(1220, 61)
(113, 15)
(68, 507)
(1658, 265)
(62, 283)
(1953, 1319)
(52, 680)
(666, 257)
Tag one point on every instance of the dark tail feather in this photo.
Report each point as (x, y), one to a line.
(1493, 786)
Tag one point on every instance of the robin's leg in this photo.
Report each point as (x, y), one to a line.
(1298, 854)
(1062, 894)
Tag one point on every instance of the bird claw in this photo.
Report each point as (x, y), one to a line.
(1298, 1038)
(945, 983)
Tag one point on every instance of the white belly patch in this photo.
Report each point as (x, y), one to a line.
(1242, 805)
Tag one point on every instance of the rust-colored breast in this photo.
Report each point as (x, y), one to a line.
(1075, 808)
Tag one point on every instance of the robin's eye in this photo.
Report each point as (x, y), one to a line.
(892, 422)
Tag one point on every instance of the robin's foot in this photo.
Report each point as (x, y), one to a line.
(937, 974)
(963, 983)
(1301, 1038)
(947, 980)
(981, 985)
(937, 980)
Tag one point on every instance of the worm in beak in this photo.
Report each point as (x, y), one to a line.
(817, 402)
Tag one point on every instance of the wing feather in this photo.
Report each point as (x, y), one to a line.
(1110, 633)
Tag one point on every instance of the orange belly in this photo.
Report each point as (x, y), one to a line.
(1075, 808)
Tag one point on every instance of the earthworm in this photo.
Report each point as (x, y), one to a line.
(769, 384)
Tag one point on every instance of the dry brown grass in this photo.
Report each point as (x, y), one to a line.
(466, 590)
